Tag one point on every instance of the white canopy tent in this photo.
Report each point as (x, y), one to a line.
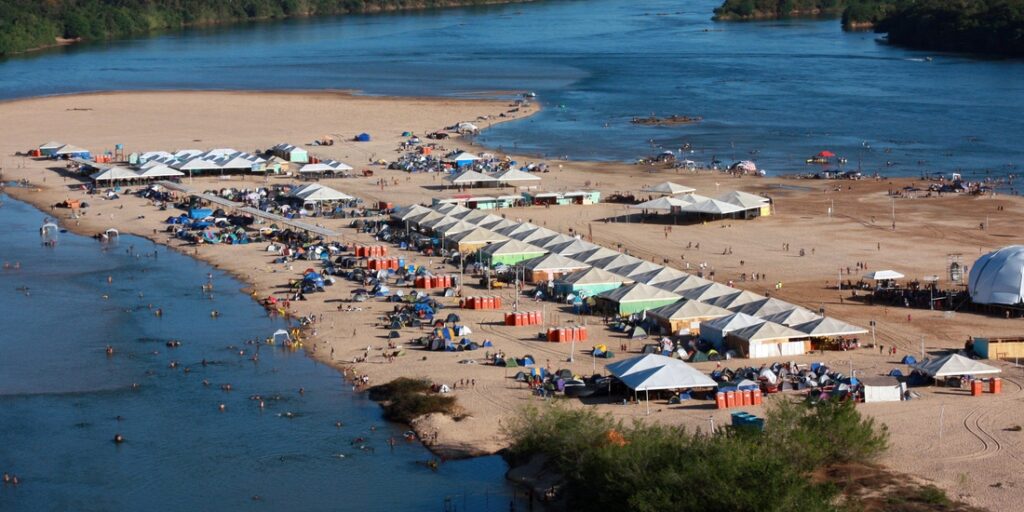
(883, 275)
(669, 188)
(114, 173)
(954, 365)
(656, 372)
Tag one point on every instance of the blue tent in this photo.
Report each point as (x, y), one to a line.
(363, 137)
(909, 359)
(895, 372)
(200, 213)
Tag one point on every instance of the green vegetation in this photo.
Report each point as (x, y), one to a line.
(27, 24)
(981, 26)
(406, 399)
(853, 11)
(608, 465)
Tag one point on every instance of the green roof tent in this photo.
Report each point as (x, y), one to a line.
(635, 298)
(509, 252)
(591, 281)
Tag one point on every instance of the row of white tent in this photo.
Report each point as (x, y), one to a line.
(511, 177)
(743, 313)
(731, 202)
(219, 159)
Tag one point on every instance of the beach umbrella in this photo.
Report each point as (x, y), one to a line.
(452, 318)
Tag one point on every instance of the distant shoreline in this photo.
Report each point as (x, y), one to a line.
(413, 6)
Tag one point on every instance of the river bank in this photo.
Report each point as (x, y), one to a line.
(858, 230)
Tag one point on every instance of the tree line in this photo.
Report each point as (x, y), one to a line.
(978, 26)
(28, 24)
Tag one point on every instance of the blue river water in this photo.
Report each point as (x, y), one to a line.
(61, 396)
(776, 92)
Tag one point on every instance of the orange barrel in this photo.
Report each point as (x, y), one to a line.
(383, 250)
(552, 334)
(508, 318)
(418, 283)
(435, 282)
(497, 302)
(748, 398)
(562, 335)
(756, 397)
(995, 386)
(474, 303)
(720, 400)
(488, 303)
(730, 399)
(976, 388)
(571, 332)
(583, 334)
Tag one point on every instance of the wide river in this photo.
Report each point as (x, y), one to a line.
(62, 399)
(776, 92)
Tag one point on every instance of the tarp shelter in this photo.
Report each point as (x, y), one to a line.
(792, 317)
(669, 188)
(686, 315)
(404, 213)
(635, 269)
(453, 228)
(594, 254)
(613, 262)
(549, 267)
(883, 275)
(661, 204)
(954, 365)
(828, 327)
(712, 208)
(998, 277)
(635, 298)
(515, 177)
(590, 281)
(509, 252)
(707, 292)
(881, 389)
(50, 148)
(682, 284)
(114, 174)
(68, 151)
(759, 206)
(463, 159)
(473, 239)
(659, 275)
(317, 168)
(764, 307)
(159, 171)
(317, 193)
(471, 178)
(570, 248)
(766, 339)
(716, 329)
(736, 299)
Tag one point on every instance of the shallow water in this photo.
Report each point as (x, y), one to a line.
(775, 91)
(60, 396)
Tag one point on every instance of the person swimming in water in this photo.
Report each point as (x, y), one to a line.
(110, 351)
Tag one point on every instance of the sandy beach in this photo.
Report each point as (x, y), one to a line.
(971, 452)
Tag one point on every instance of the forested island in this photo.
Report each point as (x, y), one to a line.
(978, 26)
(30, 24)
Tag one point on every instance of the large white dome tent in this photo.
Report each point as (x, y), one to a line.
(998, 277)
